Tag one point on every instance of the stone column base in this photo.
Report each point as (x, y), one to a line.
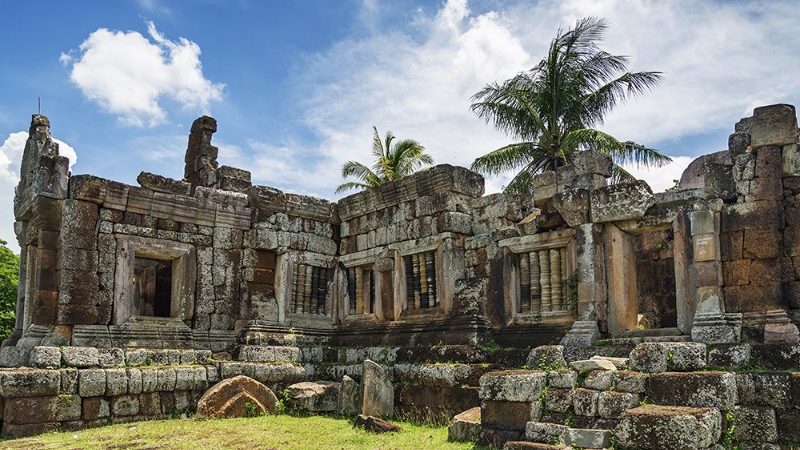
(582, 334)
(717, 328)
(779, 329)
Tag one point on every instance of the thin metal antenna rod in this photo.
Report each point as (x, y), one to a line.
(39, 100)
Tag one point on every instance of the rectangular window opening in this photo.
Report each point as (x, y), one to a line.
(543, 281)
(361, 290)
(420, 271)
(310, 289)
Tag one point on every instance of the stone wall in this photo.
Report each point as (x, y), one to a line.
(665, 395)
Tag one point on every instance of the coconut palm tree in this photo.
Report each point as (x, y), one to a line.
(552, 109)
(393, 161)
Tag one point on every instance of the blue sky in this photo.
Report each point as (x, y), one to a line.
(296, 86)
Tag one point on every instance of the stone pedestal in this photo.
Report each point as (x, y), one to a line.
(717, 328)
(779, 329)
(582, 334)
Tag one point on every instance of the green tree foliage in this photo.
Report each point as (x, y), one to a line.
(9, 281)
(393, 161)
(553, 108)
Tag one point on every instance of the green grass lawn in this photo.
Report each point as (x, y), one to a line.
(267, 432)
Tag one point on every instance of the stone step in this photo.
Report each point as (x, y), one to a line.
(669, 427)
(639, 339)
(650, 332)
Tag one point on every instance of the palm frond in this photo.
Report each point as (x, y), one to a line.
(620, 175)
(505, 158)
(360, 171)
(350, 185)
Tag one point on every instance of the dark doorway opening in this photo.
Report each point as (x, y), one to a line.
(655, 277)
(153, 287)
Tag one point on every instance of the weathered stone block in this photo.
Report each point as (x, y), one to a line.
(135, 380)
(663, 356)
(547, 357)
(544, 432)
(111, 357)
(669, 427)
(764, 388)
(320, 396)
(349, 402)
(165, 379)
(512, 385)
(601, 380)
(377, 391)
(629, 381)
(558, 400)
(507, 415)
(621, 201)
(116, 382)
(564, 379)
(69, 381)
(773, 125)
(46, 357)
(611, 404)
(584, 402)
(229, 398)
(713, 389)
(465, 426)
(587, 438)
(125, 405)
(30, 382)
(589, 365)
(57, 408)
(91, 382)
(80, 357)
(729, 356)
(755, 424)
(96, 408)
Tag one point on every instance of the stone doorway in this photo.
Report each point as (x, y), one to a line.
(655, 280)
(641, 280)
(153, 287)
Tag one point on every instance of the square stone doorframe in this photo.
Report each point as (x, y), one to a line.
(184, 273)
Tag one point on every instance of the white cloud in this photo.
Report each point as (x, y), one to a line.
(129, 74)
(719, 61)
(10, 159)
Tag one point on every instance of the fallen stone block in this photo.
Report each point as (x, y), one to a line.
(619, 363)
(669, 427)
(588, 365)
(314, 396)
(466, 426)
(239, 396)
(374, 424)
(524, 445)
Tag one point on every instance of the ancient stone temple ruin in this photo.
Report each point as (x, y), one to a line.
(220, 277)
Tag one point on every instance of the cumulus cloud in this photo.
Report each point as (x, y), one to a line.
(10, 159)
(416, 78)
(129, 74)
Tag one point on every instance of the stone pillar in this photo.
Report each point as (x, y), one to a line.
(711, 324)
(591, 287)
(201, 157)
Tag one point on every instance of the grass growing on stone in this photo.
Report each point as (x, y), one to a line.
(267, 432)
